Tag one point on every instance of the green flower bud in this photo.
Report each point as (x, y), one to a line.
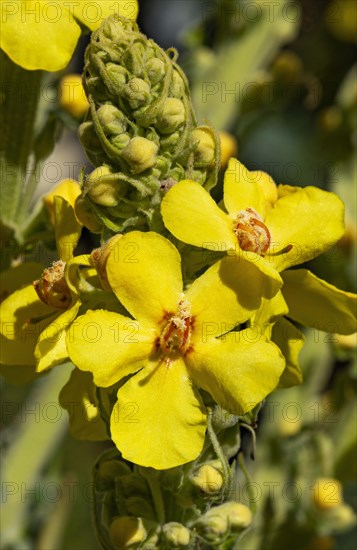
(118, 75)
(137, 92)
(155, 70)
(121, 141)
(85, 215)
(178, 87)
(127, 532)
(208, 479)
(176, 535)
(140, 154)
(230, 517)
(205, 145)
(171, 116)
(102, 187)
(112, 120)
(239, 516)
(89, 138)
(341, 518)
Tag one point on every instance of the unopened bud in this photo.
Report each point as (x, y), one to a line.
(172, 115)
(137, 92)
(205, 146)
(176, 535)
(208, 479)
(99, 258)
(156, 70)
(72, 97)
(67, 189)
(102, 188)
(85, 215)
(327, 493)
(89, 138)
(140, 154)
(127, 532)
(230, 517)
(112, 120)
(229, 147)
(341, 517)
(52, 287)
(108, 471)
(239, 516)
(287, 67)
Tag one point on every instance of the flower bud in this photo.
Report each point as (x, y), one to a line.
(102, 188)
(52, 287)
(239, 516)
(137, 92)
(212, 527)
(287, 67)
(208, 479)
(140, 154)
(229, 147)
(117, 74)
(327, 493)
(127, 532)
(267, 185)
(171, 116)
(85, 215)
(72, 96)
(89, 138)
(67, 189)
(99, 258)
(204, 145)
(156, 70)
(176, 535)
(111, 119)
(230, 517)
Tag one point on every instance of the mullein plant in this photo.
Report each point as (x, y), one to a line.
(188, 314)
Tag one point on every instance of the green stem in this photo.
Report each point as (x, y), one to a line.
(226, 471)
(152, 478)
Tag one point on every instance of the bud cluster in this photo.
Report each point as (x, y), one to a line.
(141, 133)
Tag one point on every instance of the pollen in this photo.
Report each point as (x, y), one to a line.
(252, 233)
(176, 334)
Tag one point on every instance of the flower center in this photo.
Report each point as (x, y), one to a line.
(52, 287)
(251, 231)
(176, 334)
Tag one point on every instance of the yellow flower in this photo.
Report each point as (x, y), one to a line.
(327, 493)
(37, 34)
(175, 343)
(73, 98)
(35, 317)
(68, 189)
(301, 224)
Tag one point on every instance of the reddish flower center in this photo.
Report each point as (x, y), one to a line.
(252, 233)
(176, 334)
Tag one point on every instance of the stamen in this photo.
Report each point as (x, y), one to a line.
(252, 233)
(176, 334)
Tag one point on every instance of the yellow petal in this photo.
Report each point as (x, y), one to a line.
(315, 303)
(23, 318)
(38, 34)
(68, 189)
(309, 219)
(144, 270)
(78, 397)
(290, 341)
(190, 213)
(242, 189)
(92, 14)
(109, 345)
(227, 294)
(239, 370)
(15, 277)
(159, 420)
(67, 228)
(51, 347)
